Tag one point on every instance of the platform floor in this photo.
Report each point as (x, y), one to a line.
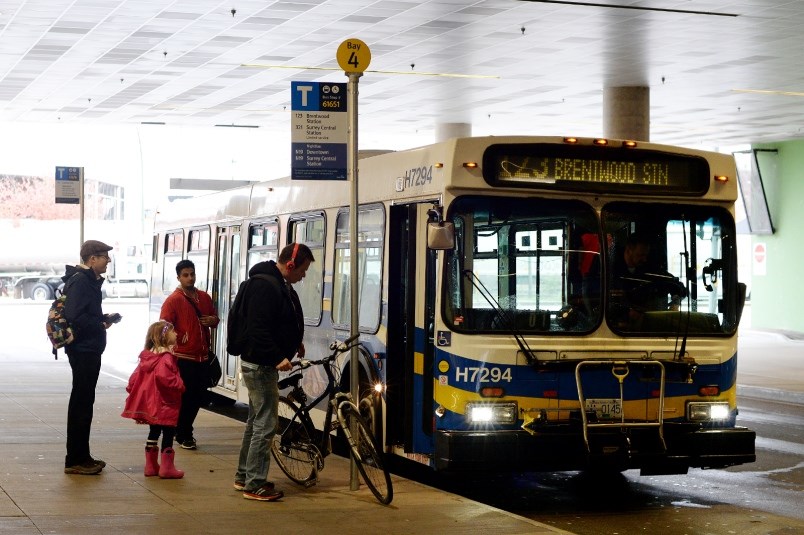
(36, 496)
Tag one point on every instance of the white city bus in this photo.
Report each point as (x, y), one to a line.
(491, 311)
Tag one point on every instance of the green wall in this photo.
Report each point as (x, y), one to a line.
(777, 297)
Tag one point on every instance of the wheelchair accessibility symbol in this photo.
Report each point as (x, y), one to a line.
(444, 338)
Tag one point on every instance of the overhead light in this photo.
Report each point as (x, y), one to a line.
(152, 122)
(770, 92)
(238, 125)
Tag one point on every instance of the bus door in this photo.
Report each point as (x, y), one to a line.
(227, 281)
(411, 314)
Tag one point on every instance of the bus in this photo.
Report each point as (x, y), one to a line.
(496, 333)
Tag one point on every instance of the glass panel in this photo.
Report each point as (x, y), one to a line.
(263, 243)
(169, 280)
(755, 168)
(672, 269)
(310, 232)
(371, 228)
(523, 265)
(201, 261)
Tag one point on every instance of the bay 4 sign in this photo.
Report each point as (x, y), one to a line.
(319, 131)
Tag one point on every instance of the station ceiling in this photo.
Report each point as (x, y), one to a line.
(720, 72)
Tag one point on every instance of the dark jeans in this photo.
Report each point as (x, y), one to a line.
(194, 375)
(86, 368)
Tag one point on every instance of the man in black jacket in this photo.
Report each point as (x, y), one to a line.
(274, 331)
(82, 286)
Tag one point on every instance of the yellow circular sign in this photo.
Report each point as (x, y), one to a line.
(443, 366)
(353, 55)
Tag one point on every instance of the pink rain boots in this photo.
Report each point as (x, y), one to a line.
(151, 461)
(166, 468)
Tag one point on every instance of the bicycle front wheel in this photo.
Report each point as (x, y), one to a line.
(293, 446)
(366, 453)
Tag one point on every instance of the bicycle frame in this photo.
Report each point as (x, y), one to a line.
(332, 393)
(301, 457)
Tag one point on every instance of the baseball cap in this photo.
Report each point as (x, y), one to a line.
(94, 248)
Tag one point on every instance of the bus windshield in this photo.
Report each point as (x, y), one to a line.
(523, 265)
(552, 266)
(670, 268)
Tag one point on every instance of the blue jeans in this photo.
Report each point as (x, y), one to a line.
(263, 405)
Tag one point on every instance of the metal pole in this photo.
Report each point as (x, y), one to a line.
(81, 206)
(351, 164)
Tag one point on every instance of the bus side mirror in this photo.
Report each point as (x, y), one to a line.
(741, 296)
(440, 235)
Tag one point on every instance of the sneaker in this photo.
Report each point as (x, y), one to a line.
(87, 468)
(241, 485)
(100, 463)
(188, 444)
(266, 493)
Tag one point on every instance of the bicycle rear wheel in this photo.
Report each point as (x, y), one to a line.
(293, 446)
(368, 457)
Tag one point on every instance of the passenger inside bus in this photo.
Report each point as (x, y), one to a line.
(637, 287)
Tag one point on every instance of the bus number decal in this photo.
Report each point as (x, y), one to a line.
(418, 176)
(482, 375)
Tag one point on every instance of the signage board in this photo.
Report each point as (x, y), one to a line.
(353, 55)
(319, 131)
(68, 184)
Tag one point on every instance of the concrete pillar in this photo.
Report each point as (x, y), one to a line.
(626, 113)
(446, 131)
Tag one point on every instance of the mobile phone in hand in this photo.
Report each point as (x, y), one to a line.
(113, 318)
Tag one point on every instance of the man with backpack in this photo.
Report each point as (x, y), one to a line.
(274, 327)
(82, 309)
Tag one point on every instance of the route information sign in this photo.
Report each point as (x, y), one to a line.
(68, 184)
(319, 131)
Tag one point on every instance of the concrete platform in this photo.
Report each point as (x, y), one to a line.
(37, 497)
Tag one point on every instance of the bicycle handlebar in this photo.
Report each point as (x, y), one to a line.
(336, 347)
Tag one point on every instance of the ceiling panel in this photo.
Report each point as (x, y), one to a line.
(545, 64)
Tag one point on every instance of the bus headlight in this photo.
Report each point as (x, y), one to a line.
(700, 411)
(491, 413)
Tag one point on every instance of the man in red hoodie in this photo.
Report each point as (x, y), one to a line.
(192, 314)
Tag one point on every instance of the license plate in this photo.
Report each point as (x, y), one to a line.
(605, 409)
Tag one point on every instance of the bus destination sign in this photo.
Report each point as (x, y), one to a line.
(591, 168)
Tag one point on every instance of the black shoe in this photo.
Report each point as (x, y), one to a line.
(266, 493)
(88, 468)
(100, 463)
(188, 444)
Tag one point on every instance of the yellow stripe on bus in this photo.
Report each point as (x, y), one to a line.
(455, 400)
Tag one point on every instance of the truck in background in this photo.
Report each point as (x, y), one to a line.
(34, 260)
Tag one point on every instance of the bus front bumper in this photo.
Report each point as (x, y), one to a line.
(683, 448)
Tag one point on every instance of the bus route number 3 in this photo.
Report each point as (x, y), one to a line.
(482, 375)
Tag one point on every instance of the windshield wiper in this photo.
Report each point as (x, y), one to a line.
(505, 315)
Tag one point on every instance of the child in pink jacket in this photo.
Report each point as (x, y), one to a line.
(154, 398)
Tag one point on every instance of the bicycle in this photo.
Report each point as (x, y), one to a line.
(301, 457)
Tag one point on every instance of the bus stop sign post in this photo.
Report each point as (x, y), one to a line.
(353, 57)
